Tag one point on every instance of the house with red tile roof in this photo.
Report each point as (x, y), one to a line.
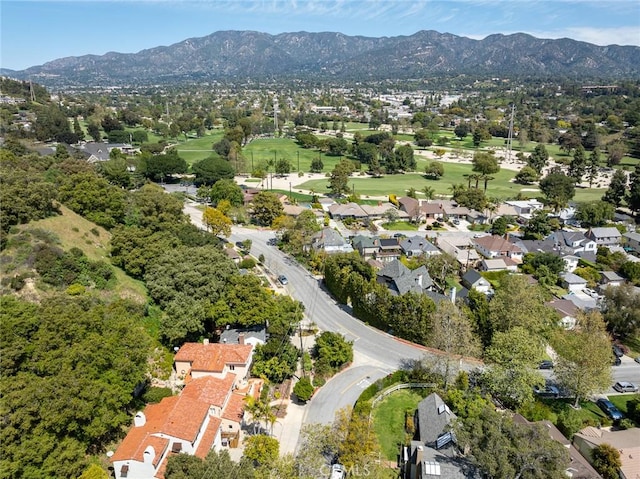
(207, 414)
(214, 359)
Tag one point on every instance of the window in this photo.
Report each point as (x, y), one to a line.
(232, 367)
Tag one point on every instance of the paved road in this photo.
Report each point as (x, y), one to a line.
(375, 353)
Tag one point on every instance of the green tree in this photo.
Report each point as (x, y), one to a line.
(538, 158)
(303, 389)
(339, 180)
(578, 165)
(595, 213)
(584, 374)
(526, 176)
(434, 170)
(405, 157)
(486, 165)
(617, 189)
(514, 356)
(558, 189)
(265, 208)
(503, 449)
(622, 311)
(283, 167)
(216, 464)
(332, 350)
(633, 196)
(316, 165)
(615, 152)
(539, 225)
(261, 449)
(212, 169)
(593, 166)
(226, 189)
(499, 226)
(532, 261)
(606, 460)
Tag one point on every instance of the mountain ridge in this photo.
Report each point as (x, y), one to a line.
(233, 54)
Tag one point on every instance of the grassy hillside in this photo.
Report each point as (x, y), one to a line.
(70, 230)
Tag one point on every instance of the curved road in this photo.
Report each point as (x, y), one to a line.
(376, 353)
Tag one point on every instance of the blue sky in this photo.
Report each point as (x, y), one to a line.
(35, 32)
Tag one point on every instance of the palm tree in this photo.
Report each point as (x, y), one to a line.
(487, 179)
(429, 192)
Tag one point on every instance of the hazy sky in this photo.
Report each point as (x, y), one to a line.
(35, 32)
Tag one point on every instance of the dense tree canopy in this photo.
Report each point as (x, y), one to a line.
(70, 366)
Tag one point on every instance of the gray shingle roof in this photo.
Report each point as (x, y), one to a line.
(433, 418)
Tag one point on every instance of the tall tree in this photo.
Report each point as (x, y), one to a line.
(266, 207)
(581, 373)
(633, 196)
(622, 310)
(538, 158)
(558, 188)
(617, 188)
(606, 460)
(486, 165)
(578, 165)
(212, 169)
(593, 166)
(339, 180)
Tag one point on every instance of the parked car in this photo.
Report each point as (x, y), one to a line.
(617, 350)
(546, 365)
(625, 387)
(283, 279)
(609, 409)
(547, 391)
(617, 361)
(337, 471)
(637, 360)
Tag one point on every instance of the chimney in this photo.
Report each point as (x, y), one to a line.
(241, 338)
(452, 294)
(205, 342)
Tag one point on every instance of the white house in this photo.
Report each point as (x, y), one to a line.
(573, 282)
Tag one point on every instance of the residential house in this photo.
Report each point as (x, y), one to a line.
(97, 151)
(388, 249)
(431, 211)
(233, 255)
(197, 360)
(525, 209)
(206, 415)
(347, 211)
(567, 310)
(330, 241)
(578, 467)
(376, 212)
(495, 246)
(460, 247)
(631, 241)
(626, 441)
(610, 278)
(253, 335)
(608, 236)
(573, 242)
(411, 207)
(434, 454)
(474, 280)
(365, 245)
(573, 282)
(418, 246)
(498, 264)
(400, 280)
(453, 211)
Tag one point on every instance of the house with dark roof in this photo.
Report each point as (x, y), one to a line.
(572, 242)
(434, 454)
(400, 280)
(474, 280)
(418, 246)
(631, 241)
(567, 311)
(366, 246)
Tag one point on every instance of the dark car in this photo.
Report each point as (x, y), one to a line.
(617, 350)
(547, 391)
(617, 361)
(609, 409)
(546, 365)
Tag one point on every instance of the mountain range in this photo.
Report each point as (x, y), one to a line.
(250, 55)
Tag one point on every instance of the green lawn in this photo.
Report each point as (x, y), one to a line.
(400, 226)
(262, 150)
(388, 420)
(196, 149)
(620, 401)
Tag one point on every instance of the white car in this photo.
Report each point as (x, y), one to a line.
(337, 471)
(625, 387)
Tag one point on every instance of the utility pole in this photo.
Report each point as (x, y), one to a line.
(298, 161)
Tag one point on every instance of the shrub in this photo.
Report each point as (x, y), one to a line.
(303, 389)
(155, 394)
(247, 263)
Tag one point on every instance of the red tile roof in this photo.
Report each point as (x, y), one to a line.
(212, 357)
(209, 436)
(235, 408)
(178, 416)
